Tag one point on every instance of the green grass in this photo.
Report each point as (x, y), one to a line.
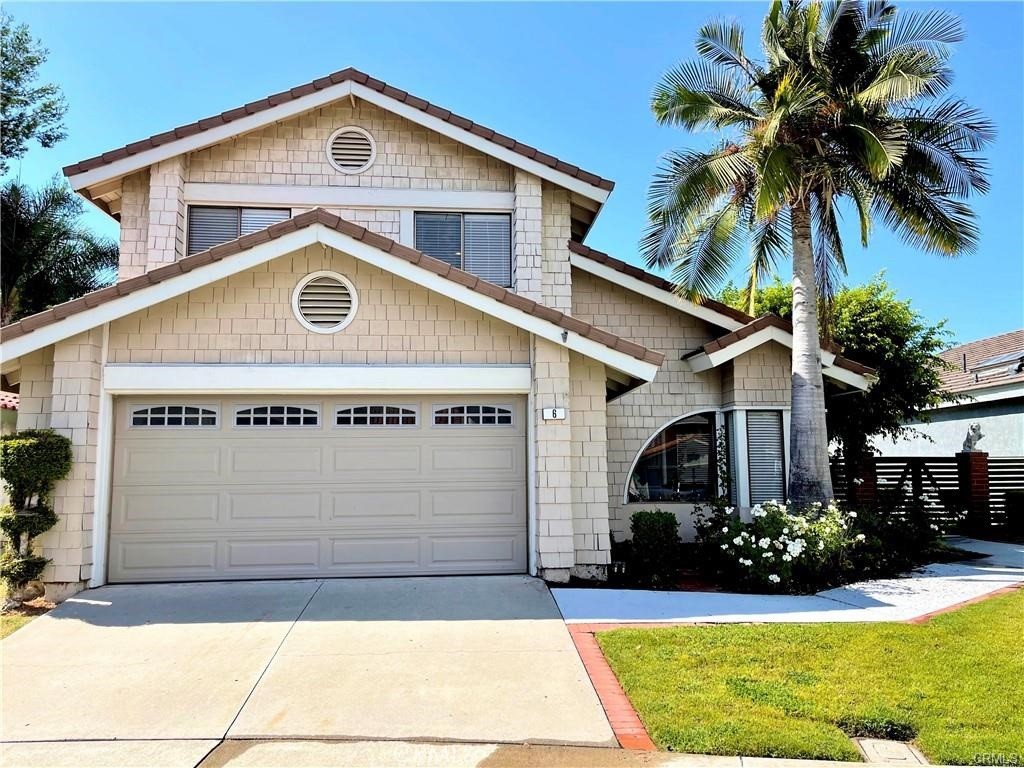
(11, 622)
(954, 685)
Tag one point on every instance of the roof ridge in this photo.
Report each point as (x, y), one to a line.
(337, 223)
(319, 84)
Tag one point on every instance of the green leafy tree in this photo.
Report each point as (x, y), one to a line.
(875, 327)
(847, 105)
(49, 257)
(28, 110)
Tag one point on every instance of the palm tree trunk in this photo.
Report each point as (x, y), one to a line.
(809, 478)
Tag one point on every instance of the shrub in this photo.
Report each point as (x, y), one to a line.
(777, 551)
(655, 548)
(31, 462)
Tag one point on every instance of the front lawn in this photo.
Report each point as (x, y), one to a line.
(955, 685)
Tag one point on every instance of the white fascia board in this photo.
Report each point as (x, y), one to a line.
(652, 292)
(209, 137)
(988, 395)
(481, 144)
(317, 99)
(293, 241)
(346, 197)
(212, 379)
(855, 380)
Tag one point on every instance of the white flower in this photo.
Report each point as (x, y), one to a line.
(725, 546)
(785, 530)
(787, 558)
(860, 537)
(853, 514)
(934, 527)
(764, 543)
(725, 529)
(821, 545)
(744, 561)
(738, 540)
(730, 510)
(774, 579)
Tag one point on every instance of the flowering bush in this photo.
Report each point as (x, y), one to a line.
(778, 550)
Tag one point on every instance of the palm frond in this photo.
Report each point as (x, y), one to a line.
(829, 259)
(706, 253)
(721, 42)
(933, 30)
(904, 78)
(924, 216)
(696, 95)
(778, 180)
(881, 149)
(769, 243)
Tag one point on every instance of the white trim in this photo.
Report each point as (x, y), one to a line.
(312, 101)
(407, 227)
(353, 296)
(144, 379)
(351, 129)
(855, 380)
(104, 469)
(992, 393)
(531, 478)
(742, 458)
(787, 424)
(282, 195)
(660, 295)
(293, 241)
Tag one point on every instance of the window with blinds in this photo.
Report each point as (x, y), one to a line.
(479, 243)
(766, 456)
(210, 225)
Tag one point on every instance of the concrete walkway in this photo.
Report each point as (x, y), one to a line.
(934, 588)
(160, 674)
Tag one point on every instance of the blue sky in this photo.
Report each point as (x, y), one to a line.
(571, 79)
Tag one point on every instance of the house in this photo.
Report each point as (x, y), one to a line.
(354, 333)
(8, 412)
(987, 377)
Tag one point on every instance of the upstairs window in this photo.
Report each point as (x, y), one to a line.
(479, 243)
(210, 225)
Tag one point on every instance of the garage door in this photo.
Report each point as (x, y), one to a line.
(275, 487)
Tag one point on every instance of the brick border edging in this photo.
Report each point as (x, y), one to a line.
(925, 617)
(629, 730)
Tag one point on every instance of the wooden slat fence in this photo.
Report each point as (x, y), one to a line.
(1004, 474)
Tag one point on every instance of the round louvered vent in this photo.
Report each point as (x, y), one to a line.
(324, 302)
(351, 150)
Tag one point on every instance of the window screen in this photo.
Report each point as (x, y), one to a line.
(766, 456)
(480, 243)
(212, 225)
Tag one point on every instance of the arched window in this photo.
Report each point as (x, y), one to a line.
(678, 465)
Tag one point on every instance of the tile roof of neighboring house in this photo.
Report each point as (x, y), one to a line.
(752, 325)
(8, 401)
(320, 216)
(774, 321)
(651, 279)
(973, 353)
(344, 75)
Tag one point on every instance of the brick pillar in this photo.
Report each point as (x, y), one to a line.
(526, 236)
(553, 438)
(864, 493)
(972, 473)
(75, 414)
(165, 240)
(589, 464)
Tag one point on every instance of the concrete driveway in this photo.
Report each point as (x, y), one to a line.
(481, 659)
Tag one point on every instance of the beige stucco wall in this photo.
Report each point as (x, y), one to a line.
(293, 152)
(248, 318)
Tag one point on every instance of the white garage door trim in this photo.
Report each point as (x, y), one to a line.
(425, 523)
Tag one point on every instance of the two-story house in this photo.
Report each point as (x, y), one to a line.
(356, 334)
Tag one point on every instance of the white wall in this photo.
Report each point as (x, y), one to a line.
(1002, 424)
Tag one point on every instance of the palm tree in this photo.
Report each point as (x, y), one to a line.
(846, 106)
(46, 255)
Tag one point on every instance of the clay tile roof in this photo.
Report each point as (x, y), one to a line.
(8, 401)
(973, 353)
(320, 216)
(319, 84)
(651, 279)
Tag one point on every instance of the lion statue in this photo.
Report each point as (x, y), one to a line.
(973, 437)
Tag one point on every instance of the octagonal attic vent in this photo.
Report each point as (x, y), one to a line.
(351, 149)
(324, 302)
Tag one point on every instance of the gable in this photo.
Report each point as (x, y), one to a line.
(248, 318)
(293, 153)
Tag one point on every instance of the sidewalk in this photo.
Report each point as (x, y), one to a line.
(933, 589)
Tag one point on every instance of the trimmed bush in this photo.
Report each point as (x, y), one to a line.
(654, 549)
(31, 463)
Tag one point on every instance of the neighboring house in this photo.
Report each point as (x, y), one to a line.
(988, 374)
(8, 412)
(356, 334)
